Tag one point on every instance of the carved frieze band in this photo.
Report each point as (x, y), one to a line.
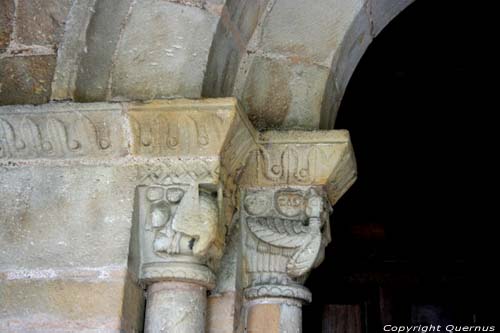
(177, 132)
(301, 159)
(103, 130)
(57, 135)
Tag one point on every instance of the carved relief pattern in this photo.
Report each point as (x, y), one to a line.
(183, 133)
(179, 271)
(178, 232)
(179, 171)
(286, 232)
(182, 219)
(51, 136)
(293, 163)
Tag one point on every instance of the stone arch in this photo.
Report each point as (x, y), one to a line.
(289, 62)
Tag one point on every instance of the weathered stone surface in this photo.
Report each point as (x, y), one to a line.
(41, 22)
(281, 93)
(223, 313)
(71, 50)
(264, 318)
(6, 22)
(223, 61)
(303, 55)
(355, 41)
(236, 27)
(287, 61)
(63, 217)
(26, 79)
(307, 32)
(158, 56)
(60, 305)
(267, 93)
(96, 62)
(292, 62)
(175, 307)
(290, 318)
(132, 312)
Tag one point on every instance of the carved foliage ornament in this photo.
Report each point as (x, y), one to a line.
(50, 136)
(176, 132)
(293, 162)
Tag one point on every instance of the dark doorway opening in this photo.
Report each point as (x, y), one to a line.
(413, 239)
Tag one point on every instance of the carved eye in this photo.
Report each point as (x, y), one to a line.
(154, 193)
(174, 195)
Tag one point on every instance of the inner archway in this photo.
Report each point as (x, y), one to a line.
(412, 238)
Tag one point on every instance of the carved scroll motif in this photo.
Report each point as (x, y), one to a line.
(292, 163)
(175, 133)
(35, 136)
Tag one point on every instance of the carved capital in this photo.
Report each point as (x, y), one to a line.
(185, 197)
(287, 190)
(285, 232)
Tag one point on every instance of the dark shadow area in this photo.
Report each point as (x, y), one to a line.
(414, 240)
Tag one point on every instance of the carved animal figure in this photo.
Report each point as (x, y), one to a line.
(296, 240)
(290, 235)
(197, 217)
(176, 214)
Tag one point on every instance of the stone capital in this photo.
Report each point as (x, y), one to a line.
(286, 192)
(185, 203)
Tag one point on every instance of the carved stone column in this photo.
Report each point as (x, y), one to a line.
(184, 203)
(286, 195)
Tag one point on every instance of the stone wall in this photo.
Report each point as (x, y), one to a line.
(100, 202)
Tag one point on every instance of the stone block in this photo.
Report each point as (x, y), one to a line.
(26, 80)
(223, 61)
(55, 305)
(132, 313)
(284, 94)
(245, 16)
(222, 314)
(158, 55)
(235, 29)
(55, 217)
(354, 43)
(264, 318)
(310, 32)
(41, 22)
(96, 63)
(6, 19)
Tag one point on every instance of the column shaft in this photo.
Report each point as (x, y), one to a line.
(178, 307)
(273, 316)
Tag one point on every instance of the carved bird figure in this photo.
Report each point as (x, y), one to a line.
(302, 236)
